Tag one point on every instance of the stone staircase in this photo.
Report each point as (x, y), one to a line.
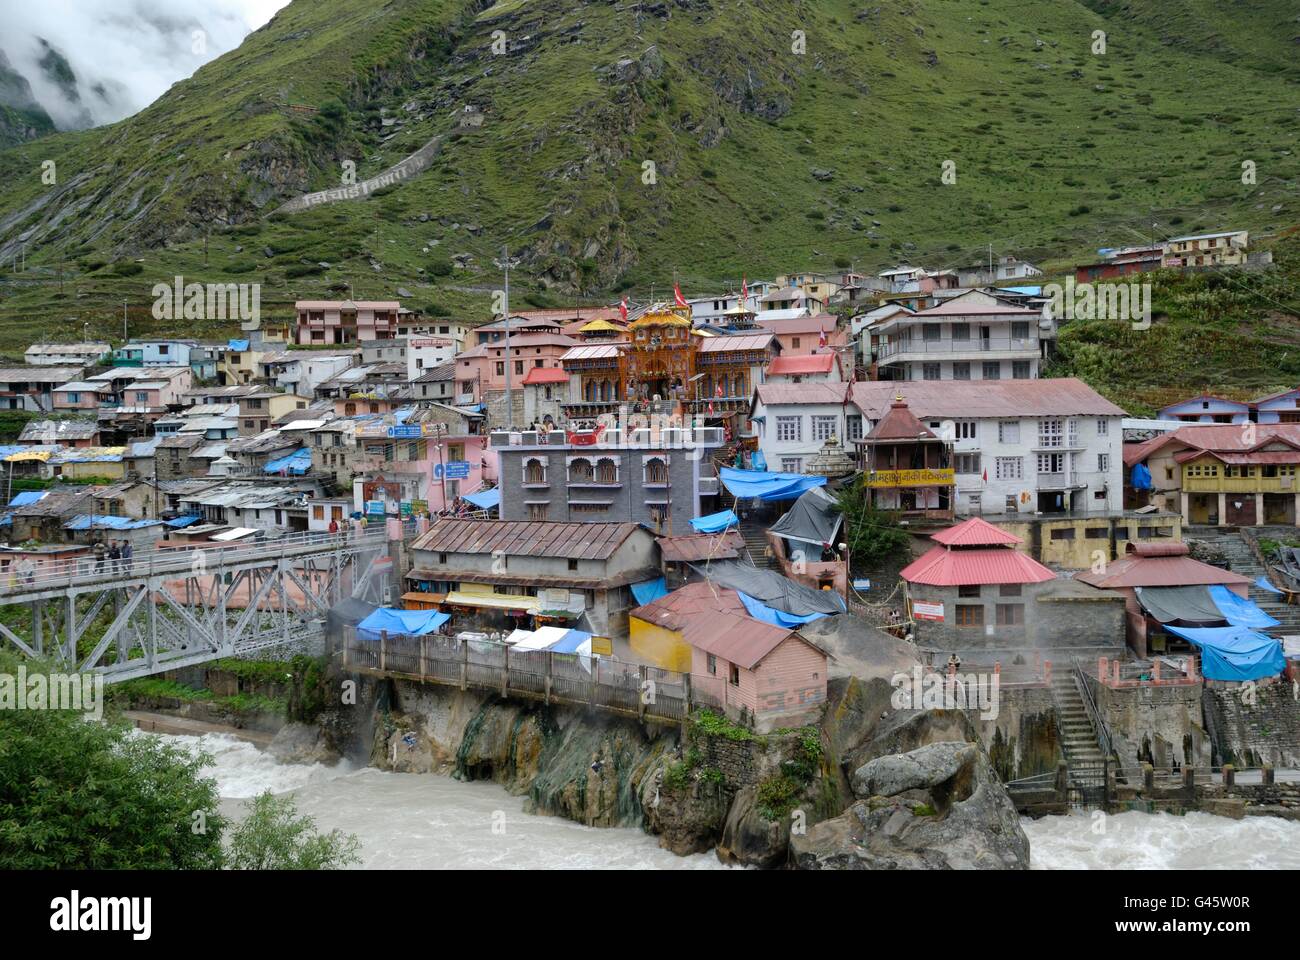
(1078, 740)
(1241, 559)
(754, 531)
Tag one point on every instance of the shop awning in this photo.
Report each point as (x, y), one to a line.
(750, 484)
(493, 601)
(1211, 604)
(715, 522)
(1235, 653)
(484, 499)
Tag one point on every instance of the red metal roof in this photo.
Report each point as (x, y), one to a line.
(735, 637)
(1220, 438)
(675, 610)
(702, 546)
(812, 363)
(1168, 570)
(943, 567)
(900, 424)
(545, 375)
(975, 532)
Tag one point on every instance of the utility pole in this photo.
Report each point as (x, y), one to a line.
(124, 321)
(991, 277)
(510, 408)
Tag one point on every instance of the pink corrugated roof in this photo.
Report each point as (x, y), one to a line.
(975, 532)
(1135, 570)
(1067, 396)
(942, 567)
(734, 637)
(812, 363)
(735, 341)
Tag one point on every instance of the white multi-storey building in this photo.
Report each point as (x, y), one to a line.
(974, 336)
(1015, 446)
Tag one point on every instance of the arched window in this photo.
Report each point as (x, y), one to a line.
(656, 471)
(534, 472)
(580, 471)
(591, 390)
(606, 471)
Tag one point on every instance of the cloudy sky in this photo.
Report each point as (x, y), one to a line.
(133, 49)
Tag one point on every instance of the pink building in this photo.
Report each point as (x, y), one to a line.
(80, 395)
(775, 675)
(809, 368)
(346, 321)
(483, 368)
(801, 336)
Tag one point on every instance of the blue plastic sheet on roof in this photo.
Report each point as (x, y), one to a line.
(298, 462)
(484, 499)
(26, 498)
(179, 522)
(748, 484)
(88, 521)
(409, 623)
(1263, 584)
(570, 642)
(757, 460)
(1141, 477)
(1234, 653)
(7, 520)
(778, 618)
(715, 522)
(237, 345)
(649, 590)
(1239, 611)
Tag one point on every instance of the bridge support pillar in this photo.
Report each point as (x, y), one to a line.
(1229, 775)
(1266, 776)
(1148, 778)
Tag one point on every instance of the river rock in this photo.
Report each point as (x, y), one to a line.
(302, 743)
(688, 820)
(750, 839)
(950, 812)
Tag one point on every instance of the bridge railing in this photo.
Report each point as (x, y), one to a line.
(205, 557)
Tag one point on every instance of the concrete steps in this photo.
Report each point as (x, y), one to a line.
(1241, 559)
(1078, 740)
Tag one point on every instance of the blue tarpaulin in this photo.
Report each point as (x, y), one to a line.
(409, 623)
(88, 521)
(298, 462)
(239, 346)
(485, 499)
(1141, 477)
(1263, 584)
(649, 590)
(26, 498)
(570, 642)
(1234, 653)
(1239, 611)
(748, 484)
(761, 611)
(715, 522)
(757, 460)
(179, 522)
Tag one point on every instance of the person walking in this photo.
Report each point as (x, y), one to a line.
(128, 557)
(114, 557)
(100, 552)
(334, 528)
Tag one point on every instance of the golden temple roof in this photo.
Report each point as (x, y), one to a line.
(661, 318)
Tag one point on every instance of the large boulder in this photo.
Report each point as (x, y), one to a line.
(749, 838)
(302, 743)
(687, 819)
(939, 807)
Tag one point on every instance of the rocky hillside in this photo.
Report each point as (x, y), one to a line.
(613, 146)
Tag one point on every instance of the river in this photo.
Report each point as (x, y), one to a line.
(414, 821)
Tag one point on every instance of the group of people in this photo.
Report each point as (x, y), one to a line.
(118, 554)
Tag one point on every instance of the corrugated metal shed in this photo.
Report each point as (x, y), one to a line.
(523, 538)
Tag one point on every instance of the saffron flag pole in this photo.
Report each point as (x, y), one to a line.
(622, 309)
(677, 296)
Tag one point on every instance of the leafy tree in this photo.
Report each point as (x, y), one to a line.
(872, 535)
(78, 794)
(274, 837)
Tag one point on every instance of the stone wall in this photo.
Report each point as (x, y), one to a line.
(1157, 725)
(1022, 739)
(1255, 725)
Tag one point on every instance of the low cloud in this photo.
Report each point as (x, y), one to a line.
(123, 54)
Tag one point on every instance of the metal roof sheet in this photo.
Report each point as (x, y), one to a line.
(575, 541)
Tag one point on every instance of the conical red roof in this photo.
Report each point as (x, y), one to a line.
(899, 423)
(975, 532)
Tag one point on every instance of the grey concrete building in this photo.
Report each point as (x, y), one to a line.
(661, 478)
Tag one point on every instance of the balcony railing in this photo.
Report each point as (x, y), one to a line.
(1240, 485)
(972, 346)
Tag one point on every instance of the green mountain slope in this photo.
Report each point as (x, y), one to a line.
(764, 158)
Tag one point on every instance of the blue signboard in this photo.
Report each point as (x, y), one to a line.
(455, 470)
(861, 584)
(405, 433)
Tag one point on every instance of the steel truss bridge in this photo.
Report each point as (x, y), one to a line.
(176, 607)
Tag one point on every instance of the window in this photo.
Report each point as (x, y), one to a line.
(853, 426)
(1021, 370)
(573, 564)
(735, 675)
(534, 472)
(74, 397)
(1009, 590)
(789, 428)
(711, 663)
(1103, 428)
(580, 471)
(1103, 462)
(656, 471)
(1096, 533)
(537, 511)
(607, 471)
(961, 370)
(967, 463)
(1019, 330)
(961, 331)
(1009, 431)
(141, 397)
(792, 464)
(930, 333)
(1050, 433)
(501, 369)
(1011, 615)
(992, 370)
(1051, 463)
(930, 371)
(794, 343)
(970, 615)
(823, 428)
(1009, 468)
(966, 430)
(968, 590)
(1065, 533)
